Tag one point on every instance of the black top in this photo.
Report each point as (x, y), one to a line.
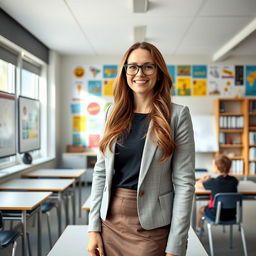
(128, 154)
(221, 184)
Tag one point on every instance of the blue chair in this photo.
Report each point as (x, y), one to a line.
(8, 237)
(226, 201)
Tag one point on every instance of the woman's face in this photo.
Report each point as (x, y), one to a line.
(140, 83)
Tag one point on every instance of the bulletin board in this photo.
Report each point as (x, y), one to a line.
(29, 124)
(7, 125)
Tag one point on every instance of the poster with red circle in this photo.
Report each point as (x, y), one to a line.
(93, 108)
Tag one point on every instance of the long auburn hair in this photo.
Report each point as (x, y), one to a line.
(121, 114)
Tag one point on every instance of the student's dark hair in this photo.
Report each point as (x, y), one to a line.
(223, 163)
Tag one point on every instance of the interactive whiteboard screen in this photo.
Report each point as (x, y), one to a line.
(29, 124)
(7, 125)
(205, 133)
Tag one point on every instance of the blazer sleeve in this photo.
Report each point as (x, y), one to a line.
(183, 176)
(98, 183)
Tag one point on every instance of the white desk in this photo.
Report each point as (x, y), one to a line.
(74, 239)
(61, 173)
(25, 201)
(58, 186)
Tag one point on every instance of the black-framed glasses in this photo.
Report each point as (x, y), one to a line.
(147, 69)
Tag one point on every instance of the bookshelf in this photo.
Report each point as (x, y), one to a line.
(236, 132)
(252, 136)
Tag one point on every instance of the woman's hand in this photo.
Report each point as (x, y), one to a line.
(168, 254)
(95, 245)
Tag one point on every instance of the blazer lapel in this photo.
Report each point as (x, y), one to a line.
(147, 155)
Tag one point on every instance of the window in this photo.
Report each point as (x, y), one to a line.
(23, 78)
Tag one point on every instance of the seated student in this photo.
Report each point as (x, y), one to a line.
(223, 183)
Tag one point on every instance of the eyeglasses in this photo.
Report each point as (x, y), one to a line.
(147, 69)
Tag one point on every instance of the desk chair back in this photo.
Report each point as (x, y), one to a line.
(228, 201)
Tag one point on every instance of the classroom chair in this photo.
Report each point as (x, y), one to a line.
(226, 201)
(8, 237)
(46, 209)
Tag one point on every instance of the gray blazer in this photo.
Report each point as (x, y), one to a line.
(167, 187)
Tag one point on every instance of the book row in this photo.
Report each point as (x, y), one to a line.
(252, 137)
(237, 167)
(252, 106)
(252, 168)
(252, 153)
(231, 122)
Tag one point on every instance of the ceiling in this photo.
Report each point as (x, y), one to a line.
(105, 27)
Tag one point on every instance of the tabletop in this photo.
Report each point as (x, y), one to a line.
(56, 185)
(67, 245)
(60, 173)
(244, 187)
(22, 200)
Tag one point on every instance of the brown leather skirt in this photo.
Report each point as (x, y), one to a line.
(122, 233)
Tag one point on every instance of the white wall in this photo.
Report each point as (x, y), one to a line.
(197, 105)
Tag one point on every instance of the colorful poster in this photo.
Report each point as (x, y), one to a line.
(93, 108)
(183, 86)
(78, 139)
(94, 140)
(77, 108)
(94, 87)
(227, 80)
(78, 91)
(94, 125)
(108, 87)
(199, 71)
(172, 72)
(199, 87)
(214, 80)
(79, 123)
(109, 71)
(94, 72)
(239, 75)
(250, 81)
(184, 70)
(79, 72)
(106, 106)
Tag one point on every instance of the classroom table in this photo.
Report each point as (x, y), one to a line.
(61, 173)
(66, 245)
(245, 187)
(25, 201)
(58, 186)
(86, 207)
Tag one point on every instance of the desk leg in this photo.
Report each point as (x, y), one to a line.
(74, 203)
(59, 211)
(193, 216)
(66, 207)
(39, 232)
(24, 237)
(80, 198)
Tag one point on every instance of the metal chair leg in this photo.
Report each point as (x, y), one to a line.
(210, 238)
(231, 236)
(201, 228)
(243, 240)
(29, 245)
(49, 229)
(223, 229)
(14, 248)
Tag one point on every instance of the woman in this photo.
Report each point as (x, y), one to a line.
(143, 180)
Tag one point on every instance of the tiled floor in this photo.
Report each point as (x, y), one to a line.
(221, 240)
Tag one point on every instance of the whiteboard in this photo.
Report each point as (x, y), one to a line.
(205, 133)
